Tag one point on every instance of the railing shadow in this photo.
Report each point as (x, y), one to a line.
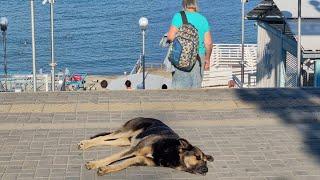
(316, 4)
(299, 108)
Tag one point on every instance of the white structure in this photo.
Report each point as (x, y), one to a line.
(277, 64)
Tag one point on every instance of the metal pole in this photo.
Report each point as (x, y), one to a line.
(53, 64)
(317, 73)
(5, 59)
(143, 59)
(33, 47)
(242, 43)
(299, 44)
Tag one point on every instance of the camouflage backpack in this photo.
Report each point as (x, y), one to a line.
(184, 48)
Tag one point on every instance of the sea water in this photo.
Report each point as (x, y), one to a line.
(103, 37)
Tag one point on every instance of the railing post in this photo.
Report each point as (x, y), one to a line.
(242, 41)
(299, 44)
(53, 63)
(317, 73)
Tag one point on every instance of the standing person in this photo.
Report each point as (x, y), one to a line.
(193, 78)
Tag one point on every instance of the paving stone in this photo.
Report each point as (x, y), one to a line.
(285, 149)
(10, 176)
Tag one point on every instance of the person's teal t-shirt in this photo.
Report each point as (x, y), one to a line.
(199, 22)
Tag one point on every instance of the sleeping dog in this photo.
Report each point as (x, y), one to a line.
(152, 143)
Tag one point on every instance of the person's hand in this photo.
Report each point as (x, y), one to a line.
(206, 65)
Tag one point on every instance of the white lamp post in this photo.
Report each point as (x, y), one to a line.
(143, 23)
(4, 27)
(242, 40)
(33, 46)
(52, 64)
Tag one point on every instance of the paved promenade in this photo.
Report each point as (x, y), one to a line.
(257, 134)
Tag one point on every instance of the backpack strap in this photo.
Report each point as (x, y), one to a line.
(184, 17)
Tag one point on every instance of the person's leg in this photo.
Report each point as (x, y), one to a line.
(181, 80)
(197, 74)
(202, 67)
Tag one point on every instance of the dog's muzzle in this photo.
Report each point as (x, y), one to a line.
(202, 170)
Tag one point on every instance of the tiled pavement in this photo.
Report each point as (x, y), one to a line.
(252, 133)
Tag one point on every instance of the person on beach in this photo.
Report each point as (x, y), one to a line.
(192, 79)
(128, 85)
(164, 86)
(104, 84)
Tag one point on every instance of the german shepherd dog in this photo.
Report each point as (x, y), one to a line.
(152, 143)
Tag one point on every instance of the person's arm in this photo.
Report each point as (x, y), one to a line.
(172, 33)
(208, 46)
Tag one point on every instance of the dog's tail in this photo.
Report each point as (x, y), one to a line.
(101, 134)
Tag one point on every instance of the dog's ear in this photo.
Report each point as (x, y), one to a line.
(209, 158)
(184, 144)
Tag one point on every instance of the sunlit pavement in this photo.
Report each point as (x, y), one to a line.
(252, 133)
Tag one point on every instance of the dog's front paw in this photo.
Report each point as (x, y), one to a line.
(102, 171)
(82, 145)
(91, 165)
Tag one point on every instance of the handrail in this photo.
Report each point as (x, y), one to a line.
(137, 66)
(237, 81)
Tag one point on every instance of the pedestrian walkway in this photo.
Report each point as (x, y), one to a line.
(252, 133)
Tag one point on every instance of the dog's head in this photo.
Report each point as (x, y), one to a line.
(193, 159)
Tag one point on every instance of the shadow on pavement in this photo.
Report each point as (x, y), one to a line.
(297, 107)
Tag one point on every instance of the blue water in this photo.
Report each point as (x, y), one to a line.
(103, 37)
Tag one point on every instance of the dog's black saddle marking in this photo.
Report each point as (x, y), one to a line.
(149, 127)
(166, 153)
(157, 130)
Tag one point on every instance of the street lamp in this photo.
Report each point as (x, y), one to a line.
(4, 27)
(52, 64)
(242, 41)
(33, 46)
(143, 23)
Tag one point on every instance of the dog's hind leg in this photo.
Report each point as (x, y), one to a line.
(138, 160)
(110, 159)
(101, 142)
(117, 138)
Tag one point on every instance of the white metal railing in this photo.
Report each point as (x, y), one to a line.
(226, 58)
(24, 82)
(138, 66)
(230, 55)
